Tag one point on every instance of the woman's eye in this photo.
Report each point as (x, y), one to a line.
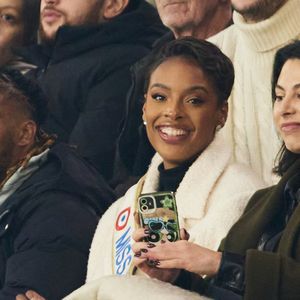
(158, 97)
(278, 98)
(7, 18)
(195, 101)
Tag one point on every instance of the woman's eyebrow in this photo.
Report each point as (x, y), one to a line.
(189, 89)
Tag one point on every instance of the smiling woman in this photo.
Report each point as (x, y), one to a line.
(187, 84)
(18, 26)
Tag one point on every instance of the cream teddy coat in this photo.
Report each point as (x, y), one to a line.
(210, 198)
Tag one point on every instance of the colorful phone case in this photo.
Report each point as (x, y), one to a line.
(158, 213)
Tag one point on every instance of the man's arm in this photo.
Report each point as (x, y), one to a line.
(98, 126)
(50, 250)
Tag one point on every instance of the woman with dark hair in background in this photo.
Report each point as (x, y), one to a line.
(19, 21)
(260, 257)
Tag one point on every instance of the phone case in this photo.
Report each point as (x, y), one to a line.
(158, 213)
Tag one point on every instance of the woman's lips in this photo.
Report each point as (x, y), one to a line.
(290, 127)
(172, 135)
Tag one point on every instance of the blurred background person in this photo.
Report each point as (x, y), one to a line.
(19, 21)
(260, 28)
(50, 198)
(83, 65)
(199, 19)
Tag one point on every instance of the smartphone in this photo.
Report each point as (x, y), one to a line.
(158, 213)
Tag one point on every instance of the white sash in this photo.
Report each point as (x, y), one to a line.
(125, 224)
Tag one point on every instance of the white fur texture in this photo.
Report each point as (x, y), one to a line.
(131, 288)
(210, 199)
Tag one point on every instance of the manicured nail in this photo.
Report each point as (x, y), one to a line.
(144, 250)
(150, 245)
(146, 231)
(157, 263)
(151, 263)
(138, 254)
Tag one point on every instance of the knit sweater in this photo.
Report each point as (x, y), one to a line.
(252, 47)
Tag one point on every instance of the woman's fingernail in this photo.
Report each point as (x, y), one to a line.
(144, 250)
(157, 263)
(138, 254)
(150, 245)
(162, 241)
(146, 231)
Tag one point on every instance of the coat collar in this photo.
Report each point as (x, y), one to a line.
(198, 182)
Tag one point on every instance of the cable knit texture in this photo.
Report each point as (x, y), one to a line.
(252, 47)
(210, 198)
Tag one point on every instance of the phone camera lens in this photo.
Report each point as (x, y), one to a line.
(144, 208)
(144, 201)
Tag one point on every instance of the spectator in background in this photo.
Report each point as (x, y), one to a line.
(86, 50)
(50, 198)
(260, 28)
(199, 19)
(19, 20)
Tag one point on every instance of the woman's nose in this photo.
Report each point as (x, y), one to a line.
(173, 110)
(287, 105)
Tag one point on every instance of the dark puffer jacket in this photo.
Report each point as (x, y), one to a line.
(47, 225)
(86, 75)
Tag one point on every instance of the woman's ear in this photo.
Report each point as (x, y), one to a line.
(223, 113)
(113, 8)
(27, 133)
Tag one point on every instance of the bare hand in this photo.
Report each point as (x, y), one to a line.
(147, 264)
(30, 295)
(185, 255)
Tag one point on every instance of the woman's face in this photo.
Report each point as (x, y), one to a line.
(286, 110)
(181, 111)
(11, 28)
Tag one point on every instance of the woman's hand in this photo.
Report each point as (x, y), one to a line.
(185, 255)
(146, 265)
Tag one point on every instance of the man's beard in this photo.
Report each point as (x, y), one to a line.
(261, 10)
(91, 18)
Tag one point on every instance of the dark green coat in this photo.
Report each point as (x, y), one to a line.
(268, 275)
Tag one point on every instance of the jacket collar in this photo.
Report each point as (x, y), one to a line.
(198, 182)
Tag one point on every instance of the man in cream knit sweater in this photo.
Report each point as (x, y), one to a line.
(260, 28)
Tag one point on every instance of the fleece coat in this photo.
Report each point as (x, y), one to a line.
(210, 199)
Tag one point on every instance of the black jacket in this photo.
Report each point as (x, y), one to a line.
(87, 75)
(47, 225)
(134, 151)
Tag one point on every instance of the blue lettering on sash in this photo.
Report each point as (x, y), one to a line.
(123, 252)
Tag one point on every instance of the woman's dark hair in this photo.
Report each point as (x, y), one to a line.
(31, 19)
(216, 65)
(25, 92)
(285, 157)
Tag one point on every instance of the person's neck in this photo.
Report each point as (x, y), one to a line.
(213, 23)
